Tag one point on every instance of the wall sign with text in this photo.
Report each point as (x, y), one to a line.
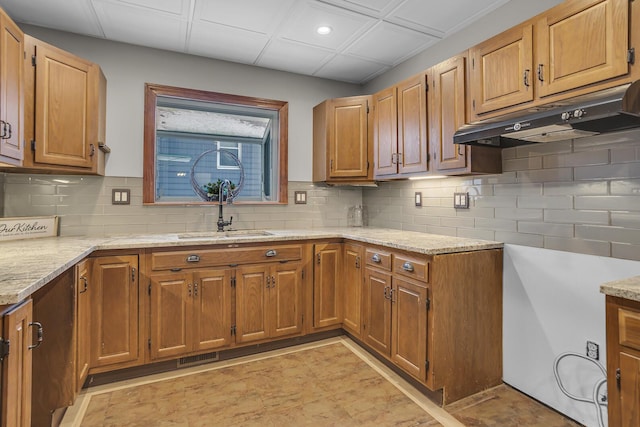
(28, 227)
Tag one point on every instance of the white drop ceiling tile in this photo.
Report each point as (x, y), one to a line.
(138, 25)
(389, 43)
(256, 15)
(350, 69)
(307, 16)
(176, 7)
(442, 19)
(223, 42)
(75, 16)
(377, 8)
(294, 57)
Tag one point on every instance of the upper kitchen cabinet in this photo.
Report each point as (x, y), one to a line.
(342, 147)
(64, 111)
(11, 91)
(572, 49)
(447, 112)
(501, 70)
(581, 42)
(400, 129)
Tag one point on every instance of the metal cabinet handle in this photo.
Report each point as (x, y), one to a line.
(392, 292)
(376, 258)
(84, 279)
(92, 150)
(387, 292)
(525, 78)
(540, 72)
(273, 281)
(193, 258)
(358, 262)
(4, 129)
(39, 334)
(407, 266)
(271, 253)
(399, 158)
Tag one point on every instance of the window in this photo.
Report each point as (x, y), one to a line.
(194, 138)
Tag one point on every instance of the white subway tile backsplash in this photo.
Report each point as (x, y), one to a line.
(625, 251)
(617, 203)
(626, 219)
(545, 175)
(625, 154)
(583, 158)
(519, 164)
(493, 201)
(588, 247)
(534, 189)
(575, 188)
(608, 234)
(519, 214)
(542, 149)
(497, 224)
(562, 216)
(534, 240)
(476, 233)
(618, 170)
(546, 202)
(625, 186)
(546, 229)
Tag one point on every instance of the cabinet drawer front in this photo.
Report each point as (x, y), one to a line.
(212, 257)
(378, 259)
(629, 328)
(411, 267)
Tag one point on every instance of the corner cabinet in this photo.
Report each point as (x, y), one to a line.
(65, 114)
(16, 366)
(11, 91)
(114, 312)
(447, 112)
(342, 148)
(400, 129)
(623, 361)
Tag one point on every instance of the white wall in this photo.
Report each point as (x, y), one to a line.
(127, 68)
(552, 305)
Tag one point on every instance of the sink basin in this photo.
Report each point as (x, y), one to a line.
(218, 235)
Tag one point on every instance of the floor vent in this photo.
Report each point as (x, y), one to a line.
(200, 359)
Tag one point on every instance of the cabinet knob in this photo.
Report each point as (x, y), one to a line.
(271, 253)
(407, 266)
(376, 258)
(193, 258)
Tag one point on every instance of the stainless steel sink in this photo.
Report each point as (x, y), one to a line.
(218, 235)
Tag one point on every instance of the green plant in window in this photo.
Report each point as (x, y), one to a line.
(213, 189)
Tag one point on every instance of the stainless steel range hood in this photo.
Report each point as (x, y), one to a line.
(599, 112)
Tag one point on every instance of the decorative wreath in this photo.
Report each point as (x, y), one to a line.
(207, 192)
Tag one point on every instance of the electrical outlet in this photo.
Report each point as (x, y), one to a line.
(593, 350)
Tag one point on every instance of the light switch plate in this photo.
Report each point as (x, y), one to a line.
(461, 200)
(300, 197)
(418, 198)
(121, 196)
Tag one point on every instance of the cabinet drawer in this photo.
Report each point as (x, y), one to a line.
(217, 257)
(629, 328)
(378, 259)
(411, 267)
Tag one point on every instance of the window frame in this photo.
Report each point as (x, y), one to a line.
(153, 91)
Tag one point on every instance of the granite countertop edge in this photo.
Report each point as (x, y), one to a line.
(628, 288)
(27, 265)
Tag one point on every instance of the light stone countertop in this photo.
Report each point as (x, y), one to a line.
(27, 265)
(625, 288)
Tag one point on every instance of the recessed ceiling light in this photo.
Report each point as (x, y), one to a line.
(323, 30)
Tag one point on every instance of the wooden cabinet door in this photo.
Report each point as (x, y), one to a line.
(212, 311)
(171, 314)
(409, 327)
(629, 389)
(285, 299)
(385, 133)
(252, 318)
(83, 322)
(11, 91)
(447, 112)
(114, 310)
(352, 289)
(327, 301)
(581, 42)
(66, 108)
(412, 125)
(16, 368)
(376, 329)
(501, 70)
(348, 137)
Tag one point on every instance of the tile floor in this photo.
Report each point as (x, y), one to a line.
(328, 383)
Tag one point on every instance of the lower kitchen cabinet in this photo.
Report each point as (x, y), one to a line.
(327, 291)
(352, 289)
(395, 309)
(190, 312)
(623, 361)
(114, 312)
(268, 301)
(83, 322)
(16, 366)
